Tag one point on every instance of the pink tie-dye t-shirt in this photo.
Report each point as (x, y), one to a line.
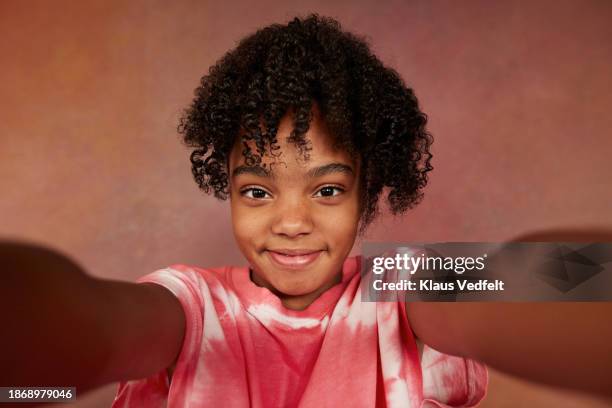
(243, 348)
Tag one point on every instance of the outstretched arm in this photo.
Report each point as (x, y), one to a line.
(61, 327)
(561, 344)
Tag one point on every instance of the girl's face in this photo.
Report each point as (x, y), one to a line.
(296, 221)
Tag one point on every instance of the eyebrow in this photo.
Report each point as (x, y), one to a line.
(312, 173)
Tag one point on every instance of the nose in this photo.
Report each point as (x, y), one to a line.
(293, 218)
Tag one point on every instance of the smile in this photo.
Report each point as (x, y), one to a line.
(295, 259)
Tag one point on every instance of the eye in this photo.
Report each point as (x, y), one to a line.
(328, 191)
(254, 193)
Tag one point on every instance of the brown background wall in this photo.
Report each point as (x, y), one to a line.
(518, 95)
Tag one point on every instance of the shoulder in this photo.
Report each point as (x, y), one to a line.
(188, 274)
(207, 273)
(193, 285)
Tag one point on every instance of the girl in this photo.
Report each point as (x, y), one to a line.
(291, 329)
(302, 128)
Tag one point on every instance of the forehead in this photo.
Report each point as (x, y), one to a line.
(288, 158)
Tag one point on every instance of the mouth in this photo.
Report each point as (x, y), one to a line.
(293, 258)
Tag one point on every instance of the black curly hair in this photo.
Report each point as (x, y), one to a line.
(368, 109)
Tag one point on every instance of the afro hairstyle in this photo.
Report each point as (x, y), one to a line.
(369, 110)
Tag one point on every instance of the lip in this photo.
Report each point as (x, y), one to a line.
(293, 258)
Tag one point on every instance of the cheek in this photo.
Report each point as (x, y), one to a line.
(339, 225)
(343, 225)
(249, 228)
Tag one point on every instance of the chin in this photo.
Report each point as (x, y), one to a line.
(294, 289)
